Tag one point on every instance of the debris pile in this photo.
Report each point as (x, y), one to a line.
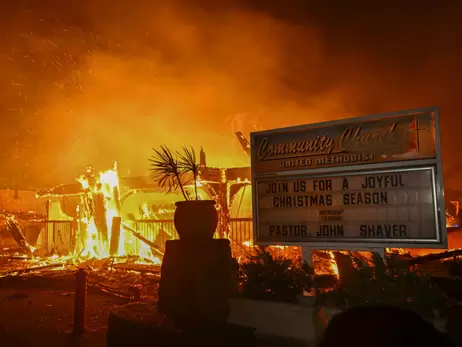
(124, 277)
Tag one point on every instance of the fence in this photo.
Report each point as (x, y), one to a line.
(156, 231)
(160, 231)
(241, 236)
(59, 236)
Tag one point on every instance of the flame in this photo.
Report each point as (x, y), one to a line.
(145, 211)
(105, 186)
(201, 192)
(94, 244)
(248, 243)
(333, 264)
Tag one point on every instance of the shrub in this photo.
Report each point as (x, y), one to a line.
(265, 277)
(387, 283)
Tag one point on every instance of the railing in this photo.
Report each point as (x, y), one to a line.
(241, 237)
(59, 236)
(156, 231)
(159, 231)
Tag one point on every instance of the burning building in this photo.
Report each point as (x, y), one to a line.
(108, 216)
(104, 215)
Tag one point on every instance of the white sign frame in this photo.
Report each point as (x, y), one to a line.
(439, 242)
(410, 243)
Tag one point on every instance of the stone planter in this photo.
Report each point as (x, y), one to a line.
(197, 279)
(274, 319)
(196, 220)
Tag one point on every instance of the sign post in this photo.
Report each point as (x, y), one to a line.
(365, 183)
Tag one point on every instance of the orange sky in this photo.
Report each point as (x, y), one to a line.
(99, 83)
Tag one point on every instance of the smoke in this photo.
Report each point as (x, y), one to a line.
(98, 82)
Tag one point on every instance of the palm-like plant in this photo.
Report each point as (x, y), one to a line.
(188, 164)
(169, 169)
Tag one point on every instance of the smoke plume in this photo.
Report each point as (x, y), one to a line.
(88, 82)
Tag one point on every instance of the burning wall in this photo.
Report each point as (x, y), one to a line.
(99, 202)
(23, 200)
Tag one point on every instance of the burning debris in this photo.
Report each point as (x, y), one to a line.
(116, 276)
(103, 242)
(12, 227)
(16, 231)
(101, 232)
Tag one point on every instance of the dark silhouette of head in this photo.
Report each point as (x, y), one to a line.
(378, 326)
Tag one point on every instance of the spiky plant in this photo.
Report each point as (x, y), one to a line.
(188, 165)
(172, 169)
(166, 170)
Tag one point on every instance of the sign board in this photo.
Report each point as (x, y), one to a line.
(368, 182)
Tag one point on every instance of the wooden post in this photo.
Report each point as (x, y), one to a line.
(115, 236)
(100, 215)
(80, 306)
(16, 231)
(306, 255)
(380, 252)
(135, 292)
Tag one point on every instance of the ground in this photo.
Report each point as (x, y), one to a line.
(44, 317)
(37, 307)
(38, 311)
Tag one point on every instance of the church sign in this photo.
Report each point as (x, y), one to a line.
(368, 182)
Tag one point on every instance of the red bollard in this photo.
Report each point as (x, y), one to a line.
(80, 307)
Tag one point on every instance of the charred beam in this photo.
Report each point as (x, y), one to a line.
(143, 239)
(434, 256)
(141, 268)
(16, 231)
(100, 215)
(61, 190)
(115, 236)
(345, 267)
(30, 269)
(117, 198)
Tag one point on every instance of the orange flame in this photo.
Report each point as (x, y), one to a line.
(93, 244)
(333, 264)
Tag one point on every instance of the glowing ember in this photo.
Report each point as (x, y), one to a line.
(247, 243)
